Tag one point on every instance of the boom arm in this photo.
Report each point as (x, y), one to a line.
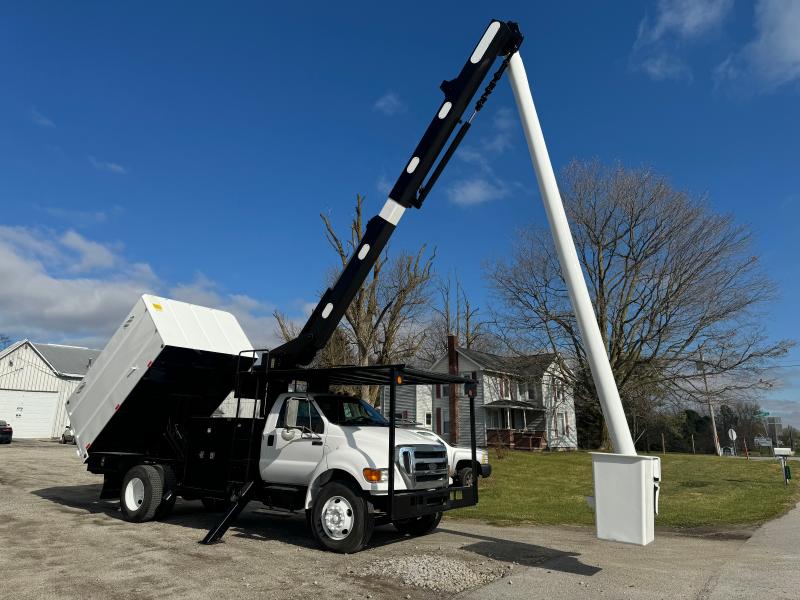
(499, 39)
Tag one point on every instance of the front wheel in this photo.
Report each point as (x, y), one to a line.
(340, 521)
(418, 525)
(465, 476)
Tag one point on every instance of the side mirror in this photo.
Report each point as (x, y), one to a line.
(288, 434)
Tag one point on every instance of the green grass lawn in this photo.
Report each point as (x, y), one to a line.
(696, 491)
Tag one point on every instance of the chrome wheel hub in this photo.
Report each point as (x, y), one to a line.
(337, 518)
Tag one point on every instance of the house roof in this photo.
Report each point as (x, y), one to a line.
(71, 361)
(531, 365)
(67, 360)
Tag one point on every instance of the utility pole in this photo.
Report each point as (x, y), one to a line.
(710, 407)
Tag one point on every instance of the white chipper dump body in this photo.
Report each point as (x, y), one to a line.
(168, 360)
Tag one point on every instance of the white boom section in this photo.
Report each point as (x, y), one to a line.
(573, 275)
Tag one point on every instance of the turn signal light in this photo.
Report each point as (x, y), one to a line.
(375, 475)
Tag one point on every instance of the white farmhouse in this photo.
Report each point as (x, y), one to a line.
(35, 382)
(521, 402)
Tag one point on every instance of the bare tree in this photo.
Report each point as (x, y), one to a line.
(671, 281)
(455, 314)
(385, 321)
(336, 352)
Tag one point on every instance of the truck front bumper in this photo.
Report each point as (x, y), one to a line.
(486, 470)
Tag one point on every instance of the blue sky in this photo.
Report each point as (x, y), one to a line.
(188, 149)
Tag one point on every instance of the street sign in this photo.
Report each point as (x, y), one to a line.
(731, 435)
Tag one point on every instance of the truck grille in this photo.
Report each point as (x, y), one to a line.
(425, 466)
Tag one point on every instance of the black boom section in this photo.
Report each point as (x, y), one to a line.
(499, 39)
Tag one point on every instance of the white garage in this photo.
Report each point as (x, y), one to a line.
(30, 414)
(35, 382)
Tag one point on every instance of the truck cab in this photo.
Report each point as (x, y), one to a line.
(306, 436)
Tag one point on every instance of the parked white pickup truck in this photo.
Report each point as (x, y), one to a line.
(459, 458)
(141, 418)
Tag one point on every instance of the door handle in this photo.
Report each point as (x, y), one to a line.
(316, 443)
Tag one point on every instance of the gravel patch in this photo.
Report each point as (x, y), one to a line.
(437, 573)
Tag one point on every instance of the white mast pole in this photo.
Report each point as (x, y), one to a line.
(568, 257)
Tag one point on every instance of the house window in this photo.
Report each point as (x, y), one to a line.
(522, 390)
(466, 376)
(531, 392)
(438, 391)
(428, 418)
(562, 424)
(446, 390)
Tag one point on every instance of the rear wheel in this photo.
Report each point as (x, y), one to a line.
(169, 496)
(141, 493)
(418, 525)
(340, 520)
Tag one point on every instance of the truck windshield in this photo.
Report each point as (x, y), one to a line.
(348, 410)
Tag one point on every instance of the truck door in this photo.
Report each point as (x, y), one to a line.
(294, 448)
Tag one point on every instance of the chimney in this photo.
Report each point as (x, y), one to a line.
(452, 368)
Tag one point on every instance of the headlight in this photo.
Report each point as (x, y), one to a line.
(376, 475)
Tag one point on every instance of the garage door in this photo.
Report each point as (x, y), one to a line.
(31, 414)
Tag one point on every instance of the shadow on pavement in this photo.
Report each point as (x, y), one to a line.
(255, 522)
(529, 555)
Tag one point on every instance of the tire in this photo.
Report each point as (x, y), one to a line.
(63, 440)
(141, 493)
(465, 476)
(340, 519)
(419, 525)
(214, 504)
(169, 495)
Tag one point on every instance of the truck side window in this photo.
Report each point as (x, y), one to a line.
(299, 412)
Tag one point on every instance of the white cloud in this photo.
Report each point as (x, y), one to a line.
(37, 300)
(108, 166)
(661, 40)
(666, 66)
(63, 287)
(90, 255)
(76, 217)
(683, 19)
(40, 119)
(469, 192)
(485, 185)
(389, 104)
(772, 58)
